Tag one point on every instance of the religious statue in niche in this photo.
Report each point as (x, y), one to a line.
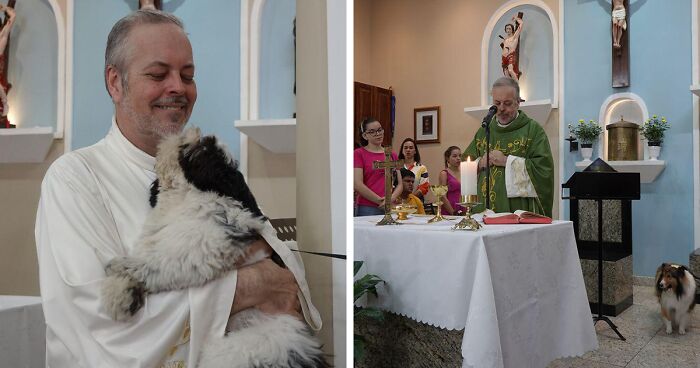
(619, 22)
(511, 47)
(151, 4)
(5, 28)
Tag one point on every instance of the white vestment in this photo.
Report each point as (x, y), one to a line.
(93, 204)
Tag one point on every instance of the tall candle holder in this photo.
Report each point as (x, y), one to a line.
(438, 191)
(468, 223)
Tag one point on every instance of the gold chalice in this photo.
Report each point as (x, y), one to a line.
(438, 191)
(403, 210)
(468, 223)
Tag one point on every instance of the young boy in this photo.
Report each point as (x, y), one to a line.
(408, 178)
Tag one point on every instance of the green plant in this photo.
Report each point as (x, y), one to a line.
(365, 284)
(587, 133)
(653, 129)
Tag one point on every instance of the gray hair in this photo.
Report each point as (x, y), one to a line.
(508, 82)
(116, 53)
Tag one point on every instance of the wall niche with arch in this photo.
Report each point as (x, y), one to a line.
(629, 107)
(268, 99)
(538, 58)
(36, 72)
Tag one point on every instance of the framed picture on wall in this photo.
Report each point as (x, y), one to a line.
(426, 127)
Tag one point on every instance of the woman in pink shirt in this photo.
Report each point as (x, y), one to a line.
(450, 177)
(369, 182)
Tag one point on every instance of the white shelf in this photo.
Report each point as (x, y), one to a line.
(648, 169)
(276, 135)
(22, 145)
(695, 88)
(538, 110)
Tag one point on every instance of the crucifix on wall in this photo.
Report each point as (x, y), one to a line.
(620, 44)
(151, 4)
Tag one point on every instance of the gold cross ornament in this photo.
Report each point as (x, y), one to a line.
(387, 165)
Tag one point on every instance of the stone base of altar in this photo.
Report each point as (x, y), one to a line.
(401, 342)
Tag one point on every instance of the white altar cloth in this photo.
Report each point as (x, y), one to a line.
(516, 290)
(22, 332)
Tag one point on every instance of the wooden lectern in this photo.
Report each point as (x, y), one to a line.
(596, 184)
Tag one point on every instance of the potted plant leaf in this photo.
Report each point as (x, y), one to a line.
(653, 131)
(362, 286)
(587, 133)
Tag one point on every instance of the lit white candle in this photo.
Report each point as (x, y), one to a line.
(468, 174)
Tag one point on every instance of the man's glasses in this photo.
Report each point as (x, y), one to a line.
(375, 131)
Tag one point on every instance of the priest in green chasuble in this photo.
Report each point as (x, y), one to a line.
(520, 162)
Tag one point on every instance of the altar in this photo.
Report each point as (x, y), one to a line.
(517, 291)
(22, 332)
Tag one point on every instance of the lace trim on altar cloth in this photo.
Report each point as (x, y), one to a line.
(449, 328)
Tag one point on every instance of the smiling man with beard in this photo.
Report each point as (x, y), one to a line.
(94, 202)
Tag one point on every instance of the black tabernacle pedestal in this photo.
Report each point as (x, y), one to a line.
(599, 182)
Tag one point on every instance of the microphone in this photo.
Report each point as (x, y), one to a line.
(487, 119)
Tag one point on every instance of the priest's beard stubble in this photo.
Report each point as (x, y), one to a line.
(152, 125)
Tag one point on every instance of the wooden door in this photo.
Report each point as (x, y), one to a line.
(382, 111)
(375, 102)
(363, 108)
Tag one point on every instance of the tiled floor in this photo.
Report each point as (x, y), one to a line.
(647, 343)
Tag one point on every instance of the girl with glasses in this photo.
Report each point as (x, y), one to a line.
(368, 182)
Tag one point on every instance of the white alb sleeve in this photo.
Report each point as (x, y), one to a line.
(518, 183)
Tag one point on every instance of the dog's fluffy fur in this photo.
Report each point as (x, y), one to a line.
(203, 220)
(675, 289)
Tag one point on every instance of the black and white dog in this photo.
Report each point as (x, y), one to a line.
(203, 220)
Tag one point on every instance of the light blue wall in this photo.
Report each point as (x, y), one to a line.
(214, 31)
(660, 73)
(535, 61)
(33, 65)
(277, 99)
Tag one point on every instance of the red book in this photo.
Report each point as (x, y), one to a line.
(518, 217)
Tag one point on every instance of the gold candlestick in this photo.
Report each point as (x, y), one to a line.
(468, 223)
(438, 191)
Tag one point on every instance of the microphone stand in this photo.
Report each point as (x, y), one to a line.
(486, 124)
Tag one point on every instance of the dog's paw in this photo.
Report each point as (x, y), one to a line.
(122, 297)
(669, 330)
(121, 266)
(681, 331)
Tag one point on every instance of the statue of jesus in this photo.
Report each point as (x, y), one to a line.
(147, 4)
(4, 38)
(619, 22)
(509, 56)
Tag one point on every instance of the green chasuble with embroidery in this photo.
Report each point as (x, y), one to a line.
(523, 137)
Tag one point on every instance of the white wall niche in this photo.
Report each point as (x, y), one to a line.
(632, 108)
(31, 141)
(626, 105)
(485, 62)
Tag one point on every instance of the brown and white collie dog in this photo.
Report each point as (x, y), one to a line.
(675, 289)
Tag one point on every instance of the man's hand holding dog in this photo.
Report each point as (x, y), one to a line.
(266, 286)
